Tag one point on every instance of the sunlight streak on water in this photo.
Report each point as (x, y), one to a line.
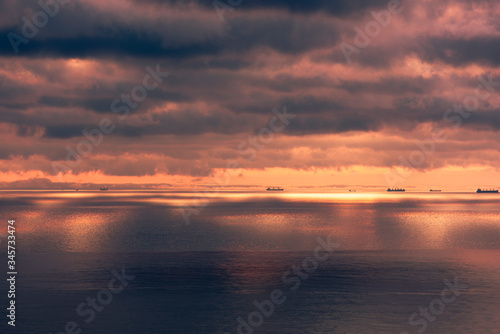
(395, 251)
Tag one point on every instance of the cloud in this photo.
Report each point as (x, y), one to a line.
(226, 77)
(481, 50)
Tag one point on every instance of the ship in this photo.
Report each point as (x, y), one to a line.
(395, 189)
(104, 188)
(435, 190)
(274, 189)
(352, 191)
(490, 191)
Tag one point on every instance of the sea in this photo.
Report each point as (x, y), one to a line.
(250, 262)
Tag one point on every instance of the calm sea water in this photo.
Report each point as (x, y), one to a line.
(394, 253)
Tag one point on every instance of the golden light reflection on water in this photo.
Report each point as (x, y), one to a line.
(344, 197)
(82, 230)
(378, 220)
(89, 221)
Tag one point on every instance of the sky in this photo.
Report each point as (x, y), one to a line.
(248, 94)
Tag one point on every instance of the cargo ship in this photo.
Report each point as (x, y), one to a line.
(435, 190)
(487, 191)
(395, 189)
(274, 189)
(104, 188)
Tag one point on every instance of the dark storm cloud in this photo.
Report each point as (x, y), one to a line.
(300, 105)
(314, 115)
(332, 7)
(174, 122)
(110, 35)
(323, 124)
(486, 120)
(99, 105)
(10, 89)
(102, 105)
(393, 85)
(124, 42)
(233, 64)
(63, 131)
(463, 51)
(226, 78)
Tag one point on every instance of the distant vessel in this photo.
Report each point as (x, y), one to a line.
(435, 190)
(352, 191)
(491, 191)
(274, 189)
(104, 188)
(395, 189)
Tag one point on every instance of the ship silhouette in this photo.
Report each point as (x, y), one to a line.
(395, 189)
(482, 191)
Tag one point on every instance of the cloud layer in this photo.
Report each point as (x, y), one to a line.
(392, 92)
